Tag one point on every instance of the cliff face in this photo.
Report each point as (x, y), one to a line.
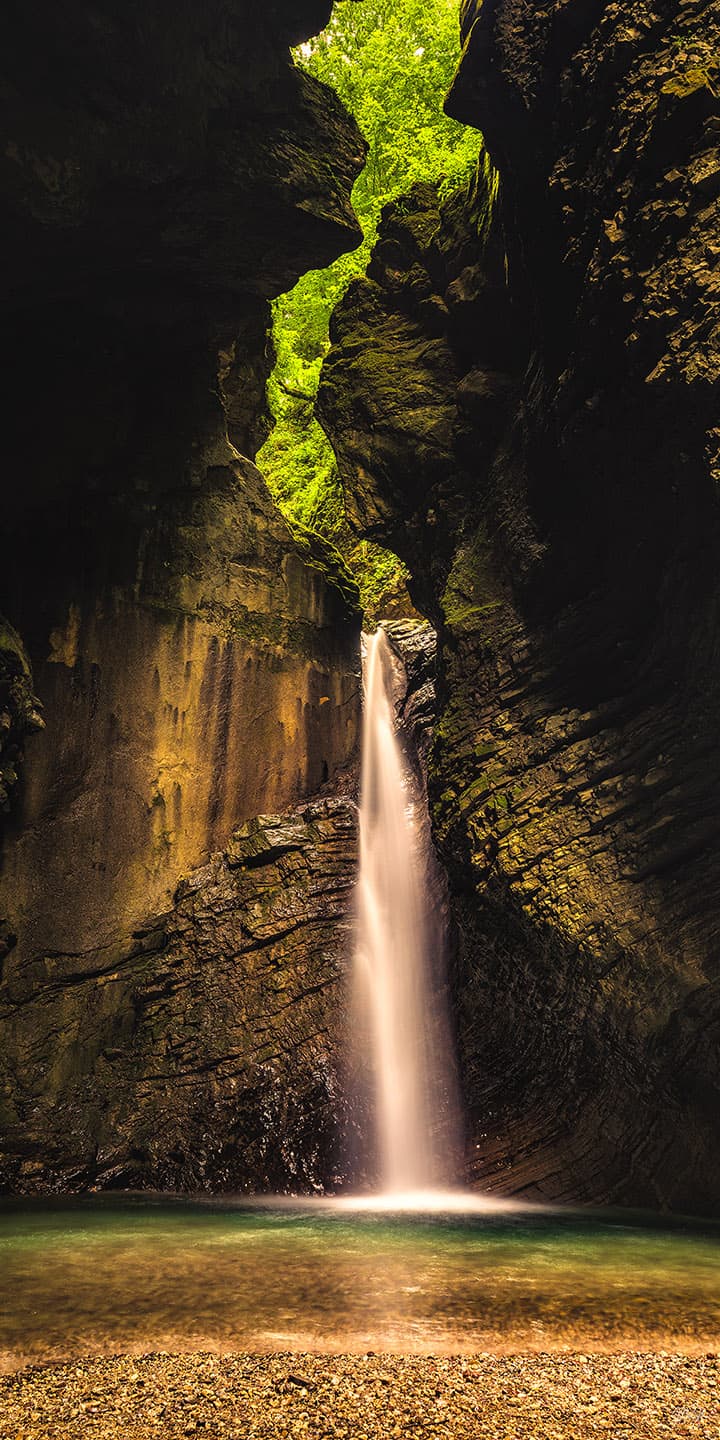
(195, 663)
(208, 1049)
(226, 684)
(166, 173)
(205, 1054)
(549, 471)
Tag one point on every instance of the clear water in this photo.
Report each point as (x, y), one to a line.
(103, 1275)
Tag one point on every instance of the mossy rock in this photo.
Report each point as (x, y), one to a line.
(471, 594)
(320, 554)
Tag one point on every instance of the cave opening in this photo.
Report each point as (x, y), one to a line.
(391, 65)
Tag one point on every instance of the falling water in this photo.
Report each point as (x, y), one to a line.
(399, 960)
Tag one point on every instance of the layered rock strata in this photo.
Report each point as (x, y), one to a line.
(197, 662)
(165, 174)
(549, 471)
(208, 1050)
(228, 686)
(205, 1054)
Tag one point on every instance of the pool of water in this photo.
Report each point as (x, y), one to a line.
(101, 1275)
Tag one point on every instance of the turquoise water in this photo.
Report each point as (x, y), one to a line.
(101, 1275)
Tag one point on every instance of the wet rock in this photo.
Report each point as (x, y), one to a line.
(391, 386)
(416, 644)
(205, 1051)
(196, 661)
(228, 686)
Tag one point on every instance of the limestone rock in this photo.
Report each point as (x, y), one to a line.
(171, 149)
(393, 385)
(197, 662)
(229, 686)
(416, 644)
(205, 1052)
(165, 173)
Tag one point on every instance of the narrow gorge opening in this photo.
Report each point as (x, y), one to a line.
(391, 65)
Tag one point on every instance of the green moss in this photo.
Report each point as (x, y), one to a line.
(470, 594)
(476, 792)
(320, 554)
(485, 749)
(692, 81)
(381, 579)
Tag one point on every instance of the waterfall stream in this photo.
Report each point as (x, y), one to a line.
(399, 962)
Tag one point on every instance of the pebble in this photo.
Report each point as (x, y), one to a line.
(627, 1396)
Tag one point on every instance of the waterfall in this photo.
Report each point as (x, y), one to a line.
(400, 1008)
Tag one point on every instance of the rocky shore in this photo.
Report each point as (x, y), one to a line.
(484, 1397)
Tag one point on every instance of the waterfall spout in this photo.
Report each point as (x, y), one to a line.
(399, 963)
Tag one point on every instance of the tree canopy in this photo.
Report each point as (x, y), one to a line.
(391, 62)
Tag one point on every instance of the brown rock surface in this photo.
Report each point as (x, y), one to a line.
(166, 172)
(232, 688)
(165, 180)
(202, 1052)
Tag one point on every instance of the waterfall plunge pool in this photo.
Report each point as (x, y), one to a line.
(101, 1275)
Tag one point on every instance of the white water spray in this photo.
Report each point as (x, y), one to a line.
(399, 960)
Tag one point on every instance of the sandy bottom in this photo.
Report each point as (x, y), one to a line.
(622, 1396)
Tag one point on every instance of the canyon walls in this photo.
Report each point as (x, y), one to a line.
(165, 173)
(523, 398)
(209, 1051)
(225, 686)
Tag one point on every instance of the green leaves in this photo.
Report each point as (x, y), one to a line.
(391, 62)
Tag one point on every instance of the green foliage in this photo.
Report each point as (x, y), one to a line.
(321, 554)
(391, 62)
(380, 578)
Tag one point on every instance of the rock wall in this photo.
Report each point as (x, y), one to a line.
(196, 662)
(229, 686)
(206, 1054)
(550, 474)
(166, 172)
(207, 1051)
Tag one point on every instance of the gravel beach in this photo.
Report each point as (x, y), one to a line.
(627, 1396)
